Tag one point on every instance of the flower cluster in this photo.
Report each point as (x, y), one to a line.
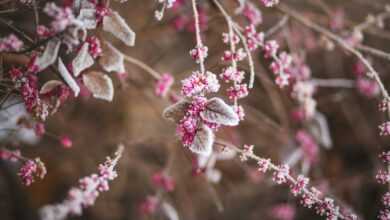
(27, 84)
(199, 53)
(62, 17)
(10, 43)
(365, 85)
(86, 193)
(383, 177)
(30, 170)
(199, 83)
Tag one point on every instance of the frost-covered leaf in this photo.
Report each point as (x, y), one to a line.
(50, 54)
(49, 86)
(82, 61)
(169, 211)
(176, 111)
(320, 129)
(117, 26)
(203, 141)
(68, 78)
(217, 111)
(100, 85)
(87, 17)
(112, 59)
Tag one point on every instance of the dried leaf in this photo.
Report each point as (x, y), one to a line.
(117, 26)
(87, 17)
(100, 85)
(68, 78)
(217, 111)
(50, 54)
(176, 111)
(112, 59)
(82, 61)
(49, 86)
(203, 141)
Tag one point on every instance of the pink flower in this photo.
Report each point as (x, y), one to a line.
(270, 3)
(66, 141)
(12, 156)
(232, 74)
(163, 85)
(164, 181)
(384, 128)
(149, 206)
(367, 87)
(384, 105)
(10, 43)
(39, 129)
(301, 183)
(281, 174)
(383, 177)
(385, 156)
(199, 82)
(384, 214)
(199, 53)
(263, 165)
(271, 48)
(62, 16)
(283, 212)
(253, 14)
(386, 199)
(31, 169)
(95, 48)
(237, 91)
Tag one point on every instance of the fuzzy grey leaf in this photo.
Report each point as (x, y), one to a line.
(203, 141)
(49, 56)
(87, 17)
(49, 86)
(217, 111)
(117, 26)
(112, 59)
(68, 78)
(82, 61)
(176, 111)
(100, 85)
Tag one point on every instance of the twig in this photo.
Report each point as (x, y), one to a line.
(156, 75)
(285, 9)
(199, 43)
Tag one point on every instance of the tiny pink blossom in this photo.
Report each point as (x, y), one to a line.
(383, 177)
(253, 14)
(149, 206)
(66, 142)
(263, 165)
(271, 48)
(199, 53)
(232, 74)
(199, 82)
(237, 91)
(301, 183)
(283, 212)
(95, 48)
(163, 181)
(281, 174)
(385, 156)
(367, 87)
(164, 84)
(39, 129)
(384, 128)
(10, 43)
(270, 3)
(8, 155)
